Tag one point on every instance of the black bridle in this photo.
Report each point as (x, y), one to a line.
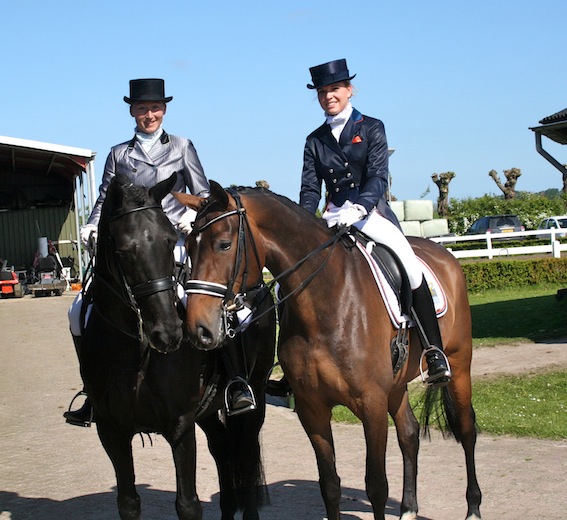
(131, 295)
(232, 302)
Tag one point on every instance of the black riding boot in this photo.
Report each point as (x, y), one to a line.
(84, 415)
(280, 388)
(439, 372)
(239, 397)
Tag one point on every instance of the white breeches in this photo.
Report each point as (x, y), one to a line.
(74, 313)
(383, 231)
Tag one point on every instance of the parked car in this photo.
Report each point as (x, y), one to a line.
(557, 222)
(495, 224)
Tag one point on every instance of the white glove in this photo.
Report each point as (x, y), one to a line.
(185, 223)
(88, 232)
(348, 216)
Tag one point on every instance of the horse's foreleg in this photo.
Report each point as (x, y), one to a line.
(184, 448)
(118, 446)
(316, 421)
(407, 429)
(216, 440)
(375, 423)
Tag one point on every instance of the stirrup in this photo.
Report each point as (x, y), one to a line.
(441, 379)
(86, 423)
(230, 412)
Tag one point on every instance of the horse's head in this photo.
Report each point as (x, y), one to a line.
(226, 266)
(135, 255)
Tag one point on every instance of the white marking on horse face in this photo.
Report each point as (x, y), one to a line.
(198, 239)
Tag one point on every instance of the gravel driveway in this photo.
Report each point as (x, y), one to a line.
(50, 470)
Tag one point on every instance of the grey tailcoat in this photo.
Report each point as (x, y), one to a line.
(170, 154)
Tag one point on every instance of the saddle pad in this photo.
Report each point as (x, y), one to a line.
(389, 296)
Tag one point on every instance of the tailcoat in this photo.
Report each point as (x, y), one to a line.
(170, 154)
(355, 168)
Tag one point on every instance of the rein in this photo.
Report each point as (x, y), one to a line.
(238, 300)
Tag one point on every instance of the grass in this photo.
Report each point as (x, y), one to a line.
(526, 406)
(518, 315)
(531, 405)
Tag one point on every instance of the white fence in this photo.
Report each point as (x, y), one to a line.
(495, 245)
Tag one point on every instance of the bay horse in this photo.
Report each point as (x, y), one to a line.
(143, 375)
(335, 334)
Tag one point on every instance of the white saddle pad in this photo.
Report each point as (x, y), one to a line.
(389, 296)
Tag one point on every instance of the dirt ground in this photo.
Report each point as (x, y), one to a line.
(50, 470)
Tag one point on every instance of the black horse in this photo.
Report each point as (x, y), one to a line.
(143, 375)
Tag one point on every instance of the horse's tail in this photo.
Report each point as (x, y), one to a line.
(245, 461)
(438, 409)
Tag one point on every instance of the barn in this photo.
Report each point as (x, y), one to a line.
(46, 193)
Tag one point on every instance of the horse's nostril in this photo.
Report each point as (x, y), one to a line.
(164, 341)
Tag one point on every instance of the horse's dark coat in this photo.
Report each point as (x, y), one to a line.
(151, 382)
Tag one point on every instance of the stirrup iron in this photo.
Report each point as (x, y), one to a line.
(230, 412)
(424, 352)
(85, 424)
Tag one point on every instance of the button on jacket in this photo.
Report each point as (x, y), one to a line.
(170, 154)
(354, 169)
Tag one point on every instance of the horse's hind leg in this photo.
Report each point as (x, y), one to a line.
(407, 429)
(463, 424)
(118, 447)
(316, 421)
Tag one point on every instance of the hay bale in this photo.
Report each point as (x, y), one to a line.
(411, 228)
(398, 209)
(435, 228)
(418, 210)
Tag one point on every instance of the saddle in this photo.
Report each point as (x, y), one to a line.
(390, 266)
(393, 282)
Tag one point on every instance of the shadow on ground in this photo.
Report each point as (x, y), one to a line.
(292, 499)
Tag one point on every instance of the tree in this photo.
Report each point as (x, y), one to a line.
(509, 187)
(442, 180)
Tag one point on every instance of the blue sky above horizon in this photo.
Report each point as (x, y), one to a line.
(457, 85)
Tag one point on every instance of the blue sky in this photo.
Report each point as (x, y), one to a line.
(457, 84)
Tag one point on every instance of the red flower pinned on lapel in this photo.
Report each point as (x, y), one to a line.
(356, 139)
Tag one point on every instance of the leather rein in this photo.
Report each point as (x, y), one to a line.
(233, 302)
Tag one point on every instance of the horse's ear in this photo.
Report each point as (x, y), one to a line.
(191, 201)
(219, 194)
(114, 192)
(161, 189)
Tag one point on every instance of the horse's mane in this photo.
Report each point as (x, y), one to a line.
(285, 201)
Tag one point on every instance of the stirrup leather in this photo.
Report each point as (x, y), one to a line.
(228, 405)
(424, 352)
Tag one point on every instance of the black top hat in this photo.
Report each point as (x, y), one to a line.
(147, 90)
(329, 73)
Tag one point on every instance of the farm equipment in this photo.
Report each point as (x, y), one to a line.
(48, 278)
(10, 285)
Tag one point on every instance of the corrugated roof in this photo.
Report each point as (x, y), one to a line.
(555, 118)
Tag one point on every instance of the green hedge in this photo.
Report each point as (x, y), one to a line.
(500, 274)
(531, 209)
